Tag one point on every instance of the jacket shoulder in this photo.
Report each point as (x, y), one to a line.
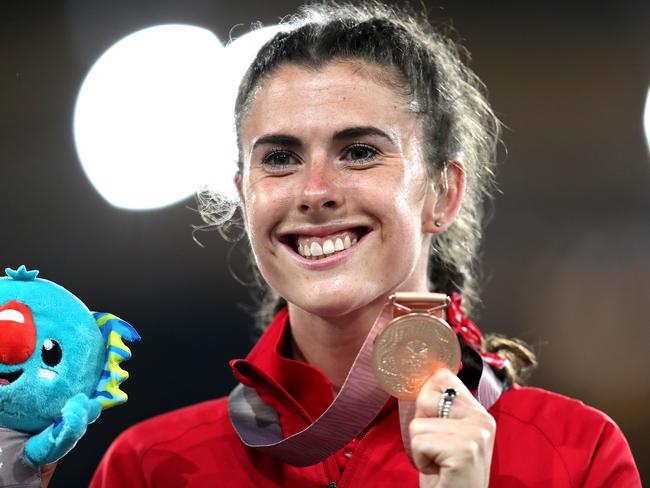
(210, 416)
(559, 420)
(166, 449)
(570, 440)
(538, 406)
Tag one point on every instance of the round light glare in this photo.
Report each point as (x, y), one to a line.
(646, 119)
(154, 120)
(147, 114)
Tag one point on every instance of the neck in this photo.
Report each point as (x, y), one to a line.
(331, 344)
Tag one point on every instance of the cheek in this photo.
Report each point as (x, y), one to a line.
(266, 204)
(398, 199)
(411, 199)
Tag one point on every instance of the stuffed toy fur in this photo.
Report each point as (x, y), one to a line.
(59, 368)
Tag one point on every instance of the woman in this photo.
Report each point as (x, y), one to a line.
(366, 151)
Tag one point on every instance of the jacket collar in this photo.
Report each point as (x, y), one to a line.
(280, 380)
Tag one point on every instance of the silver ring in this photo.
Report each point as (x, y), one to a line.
(446, 400)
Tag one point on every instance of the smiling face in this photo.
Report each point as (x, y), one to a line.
(334, 187)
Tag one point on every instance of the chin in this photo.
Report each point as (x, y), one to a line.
(332, 304)
(328, 310)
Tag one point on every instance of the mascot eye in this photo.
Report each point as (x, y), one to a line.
(51, 352)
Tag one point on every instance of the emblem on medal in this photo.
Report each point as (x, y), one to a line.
(414, 344)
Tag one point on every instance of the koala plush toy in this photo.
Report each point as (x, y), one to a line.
(59, 368)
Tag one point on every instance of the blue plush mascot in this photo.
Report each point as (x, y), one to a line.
(59, 368)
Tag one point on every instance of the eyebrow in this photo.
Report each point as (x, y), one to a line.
(277, 140)
(349, 133)
(354, 132)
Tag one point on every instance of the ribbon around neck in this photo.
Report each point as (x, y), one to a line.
(469, 331)
(358, 402)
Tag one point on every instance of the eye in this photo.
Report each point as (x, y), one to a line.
(278, 159)
(360, 153)
(51, 352)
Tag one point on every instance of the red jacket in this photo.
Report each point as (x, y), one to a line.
(542, 439)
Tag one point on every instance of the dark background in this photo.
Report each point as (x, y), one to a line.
(566, 257)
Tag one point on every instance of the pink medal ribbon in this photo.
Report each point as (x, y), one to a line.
(358, 402)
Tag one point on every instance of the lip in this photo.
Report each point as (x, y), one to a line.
(9, 377)
(331, 260)
(324, 230)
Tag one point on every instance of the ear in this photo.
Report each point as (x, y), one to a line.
(238, 183)
(444, 197)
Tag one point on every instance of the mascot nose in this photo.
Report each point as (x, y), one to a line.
(17, 333)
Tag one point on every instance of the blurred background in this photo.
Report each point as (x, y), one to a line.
(566, 256)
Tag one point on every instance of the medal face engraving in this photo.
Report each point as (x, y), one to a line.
(410, 349)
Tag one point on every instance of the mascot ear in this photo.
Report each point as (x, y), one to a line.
(113, 330)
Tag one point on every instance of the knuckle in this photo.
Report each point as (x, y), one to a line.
(421, 398)
(473, 450)
(441, 378)
(425, 404)
(414, 428)
(485, 435)
(443, 375)
(490, 425)
(417, 445)
(485, 420)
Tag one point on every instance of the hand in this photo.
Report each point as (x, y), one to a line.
(47, 471)
(76, 414)
(454, 451)
(56, 440)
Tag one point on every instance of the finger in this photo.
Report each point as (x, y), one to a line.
(428, 406)
(443, 379)
(429, 398)
(424, 425)
(47, 471)
(434, 452)
(480, 431)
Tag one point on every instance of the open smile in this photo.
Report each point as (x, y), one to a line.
(9, 378)
(320, 244)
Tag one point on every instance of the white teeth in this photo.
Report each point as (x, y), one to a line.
(328, 247)
(316, 250)
(47, 374)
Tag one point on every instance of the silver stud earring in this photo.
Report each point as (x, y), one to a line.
(437, 223)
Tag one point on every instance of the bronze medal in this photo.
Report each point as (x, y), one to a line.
(414, 345)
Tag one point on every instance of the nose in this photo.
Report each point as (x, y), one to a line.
(17, 333)
(322, 189)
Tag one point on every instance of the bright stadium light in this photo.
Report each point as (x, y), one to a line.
(145, 114)
(646, 119)
(154, 118)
